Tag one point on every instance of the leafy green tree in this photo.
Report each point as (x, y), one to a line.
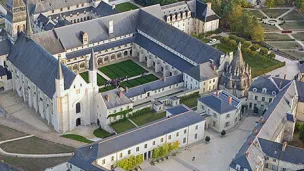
(270, 3)
(263, 51)
(246, 44)
(155, 153)
(175, 145)
(301, 135)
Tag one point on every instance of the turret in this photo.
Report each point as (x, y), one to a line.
(92, 69)
(59, 80)
(29, 31)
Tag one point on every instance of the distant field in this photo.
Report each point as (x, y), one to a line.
(274, 12)
(293, 15)
(284, 44)
(277, 37)
(139, 81)
(293, 25)
(299, 36)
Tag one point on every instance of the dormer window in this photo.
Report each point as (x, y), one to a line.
(264, 90)
(85, 38)
(274, 93)
(254, 89)
(238, 167)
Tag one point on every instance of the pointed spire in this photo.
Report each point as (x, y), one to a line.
(92, 63)
(59, 71)
(238, 61)
(29, 31)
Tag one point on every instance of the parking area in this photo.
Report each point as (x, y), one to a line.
(207, 156)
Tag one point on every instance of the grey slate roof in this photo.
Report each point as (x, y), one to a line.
(273, 149)
(268, 130)
(155, 85)
(300, 89)
(220, 104)
(115, 100)
(139, 135)
(290, 117)
(270, 83)
(5, 46)
(49, 41)
(202, 72)
(38, 65)
(204, 13)
(104, 9)
(42, 19)
(178, 109)
(190, 47)
(2, 71)
(175, 8)
(163, 53)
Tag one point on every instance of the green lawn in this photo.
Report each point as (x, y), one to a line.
(268, 27)
(34, 145)
(274, 12)
(77, 138)
(257, 13)
(276, 37)
(122, 126)
(122, 69)
(147, 117)
(190, 100)
(100, 80)
(293, 25)
(299, 36)
(139, 81)
(85, 76)
(127, 6)
(33, 164)
(106, 88)
(100, 133)
(284, 44)
(293, 15)
(296, 54)
(8, 133)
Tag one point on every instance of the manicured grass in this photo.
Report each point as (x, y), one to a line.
(127, 6)
(148, 117)
(100, 133)
(106, 88)
(276, 37)
(122, 126)
(77, 138)
(8, 133)
(224, 48)
(299, 36)
(257, 13)
(296, 54)
(33, 164)
(100, 80)
(293, 15)
(284, 44)
(139, 81)
(85, 76)
(122, 69)
(293, 25)
(274, 12)
(268, 27)
(34, 145)
(190, 100)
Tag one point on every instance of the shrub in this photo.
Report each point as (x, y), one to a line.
(271, 55)
(263, 51)
(246, 44)
(301, 135)
(225, 40)
(234, 37)
(256, 46)
(232, 43)
(223, 133)
(207, 138)
(254, 53)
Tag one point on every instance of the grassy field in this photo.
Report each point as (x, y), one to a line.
(297, 54)
(106, 88)
(293, 25)
(100, 80)
(190, 100)
(148, 117)
(268, 27)
(139, 81)
(274, 12)
(127, 6)
(122, 126)
(293, 15)
(257, 13)
(122, 69)
(299, 36)
(276, 37)
(85, 76)
(284, 45)
(34, 145)
(100, 133)
(33, 164)
(8, 133)
(77, 138)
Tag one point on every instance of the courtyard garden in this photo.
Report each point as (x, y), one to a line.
(139, 81)
(77, 138)
(127, 6)
(122, 69)
(298, 137)
(122, 125)
(147, 116)
(100, 133)
(190, 100)
(100, 80)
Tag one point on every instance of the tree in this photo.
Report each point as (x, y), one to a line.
(175, 145)
(301, 135)
(207, 139)
(269, 3)
(263, 51)
(155, 153)
(223, 133)
(233, 43)
(246, 44)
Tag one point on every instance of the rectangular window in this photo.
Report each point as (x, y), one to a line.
(112, 158)
(129, 151)
(255, 97)
(146, 145)
(177, 134)
(137, 148)
(185, 131)
(184, 140)
(270, 100)
(153, 143)
(196, 127)
(103, 161)
(120, 155)
(228, 115)
(250, 105)
(169, 137)
(162, 140)
(263, 99)
(195, 136)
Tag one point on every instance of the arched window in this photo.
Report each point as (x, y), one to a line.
(112, 56)
(82, 65)
(125, 53)
(78, 109)
(75, 67)
(254, 89)
(118, 55)
(264, 90)
(99, 60)
(273, 93)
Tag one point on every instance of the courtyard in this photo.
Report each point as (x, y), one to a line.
(207, 155)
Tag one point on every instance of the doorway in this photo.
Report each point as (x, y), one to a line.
(78, 121)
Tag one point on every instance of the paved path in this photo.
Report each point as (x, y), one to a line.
(31, 155)
(132, 122)
(187, 165)
(291, 9)
(103, 75)
(290, 68)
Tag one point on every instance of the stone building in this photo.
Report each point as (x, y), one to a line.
(236, 77)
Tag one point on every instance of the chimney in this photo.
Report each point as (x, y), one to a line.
(164, 78)
(119, 93)
(126, 89)
(261, 120)
(111, 27)
(209, 4)
(284, 145)
(284, 76)
(107, 97)
(256, 131)
(85, 38)
(247, 153)
(280, 85)
(230, 100)
(217, 93)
